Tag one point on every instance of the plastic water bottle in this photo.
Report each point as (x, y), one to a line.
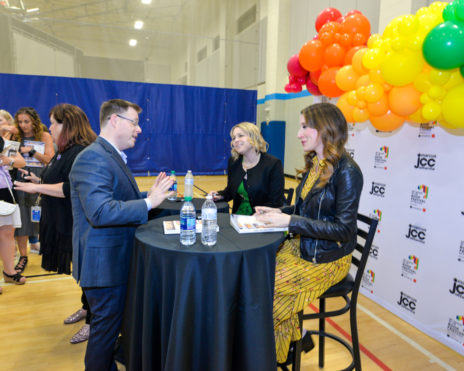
(187, 223)
(188, 185)
(173, 187)
(209, 222)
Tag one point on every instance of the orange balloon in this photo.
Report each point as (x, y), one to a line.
(376, 76)
(346, 78)
(360, 115)
(373, 93)
(311, 55)
(357, 62)
(350, 53)
(345, 41)
(357, 23)
(345, 107)
(327, 84)
(404, 100)
(379, 107)
(387, 122)
(334, 55)
(314, 76)
(363, 81)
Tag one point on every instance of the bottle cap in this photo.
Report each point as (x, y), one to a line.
(173, 172)
(209, 197)
(188, 198)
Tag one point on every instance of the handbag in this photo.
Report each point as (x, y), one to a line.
(7, 208)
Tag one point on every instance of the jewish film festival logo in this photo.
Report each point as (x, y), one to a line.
(427, 130)
(374, 253)
(416, 233)
(368, 280)
(407, 302)
(461, 252)
(458, 288)
(410, 268)
(381, 156)
(350, 151)
(378, 189)
(419, 197)
(455, 329)
(425, 161)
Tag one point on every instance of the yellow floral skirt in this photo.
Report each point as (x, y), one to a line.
(298, 282)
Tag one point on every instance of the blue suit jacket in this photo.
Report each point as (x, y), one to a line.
(107, 206)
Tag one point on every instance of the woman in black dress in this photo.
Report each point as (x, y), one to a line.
(71, 132)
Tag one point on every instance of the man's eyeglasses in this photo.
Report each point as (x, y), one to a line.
(133, 122)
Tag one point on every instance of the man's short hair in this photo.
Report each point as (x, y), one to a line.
(115, 106)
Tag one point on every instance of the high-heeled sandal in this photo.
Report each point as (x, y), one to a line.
(22, 264)
(17, 279)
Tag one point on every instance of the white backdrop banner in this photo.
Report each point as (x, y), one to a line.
(414, 184)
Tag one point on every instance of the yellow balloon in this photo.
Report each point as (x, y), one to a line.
(408, 25)
(424, 98)
(452, 106)
(422, 82)
(398, 43)
(374, 37)
(436, 92)
(454, 80)
(372, 59)
(431, 111)
(417, 117)
(356, 62)
(401, 68)
(439, 77)
(360, 93)
(376, 76)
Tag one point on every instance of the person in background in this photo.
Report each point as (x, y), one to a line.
(71, 132)
(107, 206)
(8, 223)
(323, 222)
(254, 177)
(30, 128)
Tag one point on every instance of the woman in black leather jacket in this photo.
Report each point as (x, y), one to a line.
(254, 177)
(323, 222)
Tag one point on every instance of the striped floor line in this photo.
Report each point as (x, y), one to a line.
(432, 358)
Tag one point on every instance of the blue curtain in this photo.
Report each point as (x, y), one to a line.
(183, 127)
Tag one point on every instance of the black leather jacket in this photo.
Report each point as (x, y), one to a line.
(326, 218)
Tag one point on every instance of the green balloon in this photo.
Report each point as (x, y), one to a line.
(448, 13)
(443, 47)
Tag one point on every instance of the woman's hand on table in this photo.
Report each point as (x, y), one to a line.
(272, 217)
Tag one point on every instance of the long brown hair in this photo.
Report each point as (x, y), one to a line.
(37, 125)
(332, 128)
(76, 126)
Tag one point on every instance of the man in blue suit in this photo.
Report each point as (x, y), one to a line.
(107, 206)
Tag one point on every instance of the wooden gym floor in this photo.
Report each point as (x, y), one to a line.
(34, 338)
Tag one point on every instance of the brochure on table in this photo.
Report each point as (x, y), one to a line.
(249, 224)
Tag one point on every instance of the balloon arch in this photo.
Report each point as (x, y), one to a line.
(412, 72)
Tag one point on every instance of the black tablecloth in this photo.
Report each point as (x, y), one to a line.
(173, 207)
(201, 308)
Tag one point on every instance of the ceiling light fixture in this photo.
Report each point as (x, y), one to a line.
(138, 25)
(132, 42)
(32, 10)
(146, 1)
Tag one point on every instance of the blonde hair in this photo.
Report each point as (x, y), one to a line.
(256, 139)
(7, 116)
(332, 128)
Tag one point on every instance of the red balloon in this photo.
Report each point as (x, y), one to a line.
(287, 88)
(327, 84)
(301, 79)
(294, 68)
(334, 55)
(354, 11)
(312, 88)
(291, 79)
(327, 15)
(296, 87)
(311, 55)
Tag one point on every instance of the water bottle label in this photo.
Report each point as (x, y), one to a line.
(209, 214)
(187, 224)
(173, 187)
(189, 181)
